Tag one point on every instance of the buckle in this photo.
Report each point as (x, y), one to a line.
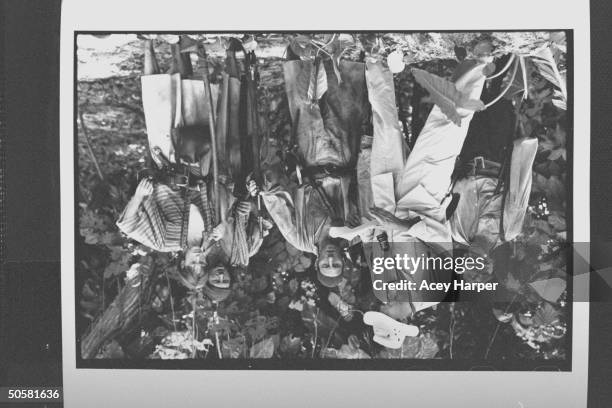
(476, 163)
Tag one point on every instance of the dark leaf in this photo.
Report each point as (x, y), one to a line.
(546, 65)
(549, 289)
(546, 315)
(233, 348)
(420, 347)
(263, 349)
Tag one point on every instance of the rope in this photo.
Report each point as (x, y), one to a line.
(504, 69)
(321, 48)
(506, 88)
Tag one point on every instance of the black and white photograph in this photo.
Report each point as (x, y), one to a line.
(355, 200)
(273, 204)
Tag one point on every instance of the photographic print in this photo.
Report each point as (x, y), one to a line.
(323, 200)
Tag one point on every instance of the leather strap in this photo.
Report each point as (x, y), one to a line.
(479, 166)
(176, 176)
(318, 172)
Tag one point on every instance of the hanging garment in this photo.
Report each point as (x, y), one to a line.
(476, 221)
(412, 187)
(177, 118)
(327, 132)
(229, 128)
(170, 102)
(158, 221)
(327, 129)
(301, 214)
(238, 117)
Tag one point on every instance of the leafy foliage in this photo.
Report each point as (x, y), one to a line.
(547, 67)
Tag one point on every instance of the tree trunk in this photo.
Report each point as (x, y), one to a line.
(128, 309)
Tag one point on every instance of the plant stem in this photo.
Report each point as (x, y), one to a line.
(516, 64)
(504, 69)
(316, 336)
(89, 148)
(171, 300)
(218, 344)
(103, 297)
(332, 332)
(497, 327)
(193, 325)
(451, 329)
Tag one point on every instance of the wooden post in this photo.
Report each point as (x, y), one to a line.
(122, 315)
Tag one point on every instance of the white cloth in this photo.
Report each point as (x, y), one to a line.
(195, 227)
(418, 185)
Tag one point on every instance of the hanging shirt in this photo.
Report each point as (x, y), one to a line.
(243, 238)
(302, 216)
(160, 218)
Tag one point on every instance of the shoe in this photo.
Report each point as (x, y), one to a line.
(389, 332)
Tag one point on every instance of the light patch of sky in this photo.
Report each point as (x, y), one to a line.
(104, 56)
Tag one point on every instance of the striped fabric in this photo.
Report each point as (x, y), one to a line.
(239, 254)
(159, 220)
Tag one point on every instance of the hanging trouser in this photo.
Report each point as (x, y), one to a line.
(364, 179)
(519, 186)
(234, 135)
(171, 102)
(230, 115)
(250, 126)
(415, 186)
(221, 125)
(253, 119)
(476, 221)
(328, 129)
(238, 120)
